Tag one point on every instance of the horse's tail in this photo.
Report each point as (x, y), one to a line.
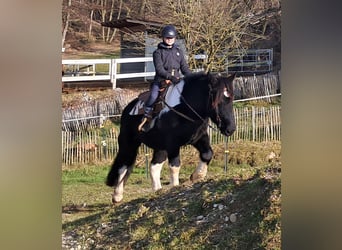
(129, 143)
(115, 172)
(112, 177)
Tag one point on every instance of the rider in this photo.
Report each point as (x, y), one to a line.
(168, 60)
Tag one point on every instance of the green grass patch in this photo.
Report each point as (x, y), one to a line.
(88, 175)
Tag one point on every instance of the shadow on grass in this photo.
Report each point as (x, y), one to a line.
(95, 213)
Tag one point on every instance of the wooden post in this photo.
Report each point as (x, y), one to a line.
(253, 124)
(113, 73)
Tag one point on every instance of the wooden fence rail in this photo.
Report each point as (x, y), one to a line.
(98, 145)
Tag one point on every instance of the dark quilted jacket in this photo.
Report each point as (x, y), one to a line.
(168, 59)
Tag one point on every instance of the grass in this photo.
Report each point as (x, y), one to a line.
(89, 174)
(190, 216)
(105, 52)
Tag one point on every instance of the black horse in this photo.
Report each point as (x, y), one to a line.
(183, 121)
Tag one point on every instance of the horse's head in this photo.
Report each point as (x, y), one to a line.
(221, 110)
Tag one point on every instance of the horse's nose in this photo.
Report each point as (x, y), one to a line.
(229, 131)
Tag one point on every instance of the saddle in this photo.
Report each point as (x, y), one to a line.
(159, 103)
(168, 93)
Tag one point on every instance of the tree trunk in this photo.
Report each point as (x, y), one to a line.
(65, 30)
(142, 9)
(91, 24)
(119, 15)
(110, 19)
(103, 16)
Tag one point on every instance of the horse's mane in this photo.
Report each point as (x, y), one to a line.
(212, 78)
(215, 81)
(195, 76)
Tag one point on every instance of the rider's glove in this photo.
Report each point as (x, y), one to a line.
(174, 79)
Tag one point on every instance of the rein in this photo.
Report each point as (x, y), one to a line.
(191, 108)
(177, 112)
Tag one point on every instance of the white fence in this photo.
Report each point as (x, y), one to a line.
(76, 70)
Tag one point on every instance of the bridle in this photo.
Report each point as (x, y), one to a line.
(214, 105)
(214, 102)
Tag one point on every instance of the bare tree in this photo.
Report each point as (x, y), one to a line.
(66, 20)
(214, 28)
(83, 18)
(211, 27)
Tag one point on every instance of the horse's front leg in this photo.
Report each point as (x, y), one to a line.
(206, 154)
(157, 162)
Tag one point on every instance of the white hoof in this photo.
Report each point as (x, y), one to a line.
(200, 173)
(155, 189)
(117, 198)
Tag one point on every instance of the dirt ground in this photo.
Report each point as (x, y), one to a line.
(90, 50)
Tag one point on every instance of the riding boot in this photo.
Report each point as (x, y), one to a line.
(145, 124)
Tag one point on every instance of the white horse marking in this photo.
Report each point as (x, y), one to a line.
(226, 93)
(174, 175)
(155, 175)
(118, 190)
(200, 172)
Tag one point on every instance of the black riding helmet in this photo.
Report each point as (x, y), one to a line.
(169, 31)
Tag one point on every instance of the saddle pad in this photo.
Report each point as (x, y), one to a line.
(172, 98)
(138, 108)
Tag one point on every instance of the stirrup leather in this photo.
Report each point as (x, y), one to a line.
(142, 124)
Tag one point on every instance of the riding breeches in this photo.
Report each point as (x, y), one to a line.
(154, 92)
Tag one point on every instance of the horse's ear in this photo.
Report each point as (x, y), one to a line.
(232, 77)
(230, 80)
(212, 77)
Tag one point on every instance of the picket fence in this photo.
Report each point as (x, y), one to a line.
(99, 145)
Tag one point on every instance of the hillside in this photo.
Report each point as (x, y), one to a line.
(239, 209)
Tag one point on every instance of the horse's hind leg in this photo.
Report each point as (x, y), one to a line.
(119, 188)
(157, 162)
(122, 166)
(206, 154)
(174, 165)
